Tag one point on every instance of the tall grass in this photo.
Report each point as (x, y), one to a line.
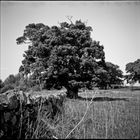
(84, 119)
(103, 119)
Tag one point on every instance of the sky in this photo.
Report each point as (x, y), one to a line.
(115, 24)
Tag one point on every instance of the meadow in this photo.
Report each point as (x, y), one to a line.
(97, 114)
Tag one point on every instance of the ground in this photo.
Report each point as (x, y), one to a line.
(108, 114)
(112, 114)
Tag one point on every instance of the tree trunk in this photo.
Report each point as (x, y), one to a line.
(72, 92)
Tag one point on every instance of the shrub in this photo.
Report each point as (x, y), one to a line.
(33, 120)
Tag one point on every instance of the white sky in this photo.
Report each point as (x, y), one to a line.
(115, 24)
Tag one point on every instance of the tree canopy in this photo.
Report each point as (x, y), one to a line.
(133, 70)
(64, 54)
(108, 75)
(115, 75)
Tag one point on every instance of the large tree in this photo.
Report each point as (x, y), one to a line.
(133, 70)
(64, 55)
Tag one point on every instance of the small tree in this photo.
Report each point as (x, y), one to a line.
(133, 70)
(64, 55)
(108, 75)
(115, 75)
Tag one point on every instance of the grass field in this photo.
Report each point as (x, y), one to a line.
(112, 114)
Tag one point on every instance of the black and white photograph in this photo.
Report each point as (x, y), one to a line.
(70, 69)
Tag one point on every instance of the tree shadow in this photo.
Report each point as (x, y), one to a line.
(100, 99)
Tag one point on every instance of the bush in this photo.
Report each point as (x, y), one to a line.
(29, 120)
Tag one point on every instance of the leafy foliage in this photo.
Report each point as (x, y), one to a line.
(8, 84)
(115, 75)
(15, 81)
(133, 68)
(1, 84)
(64, 54)
(10, 80)
(108, 75)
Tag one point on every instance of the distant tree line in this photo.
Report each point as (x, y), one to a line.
(18, 82)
